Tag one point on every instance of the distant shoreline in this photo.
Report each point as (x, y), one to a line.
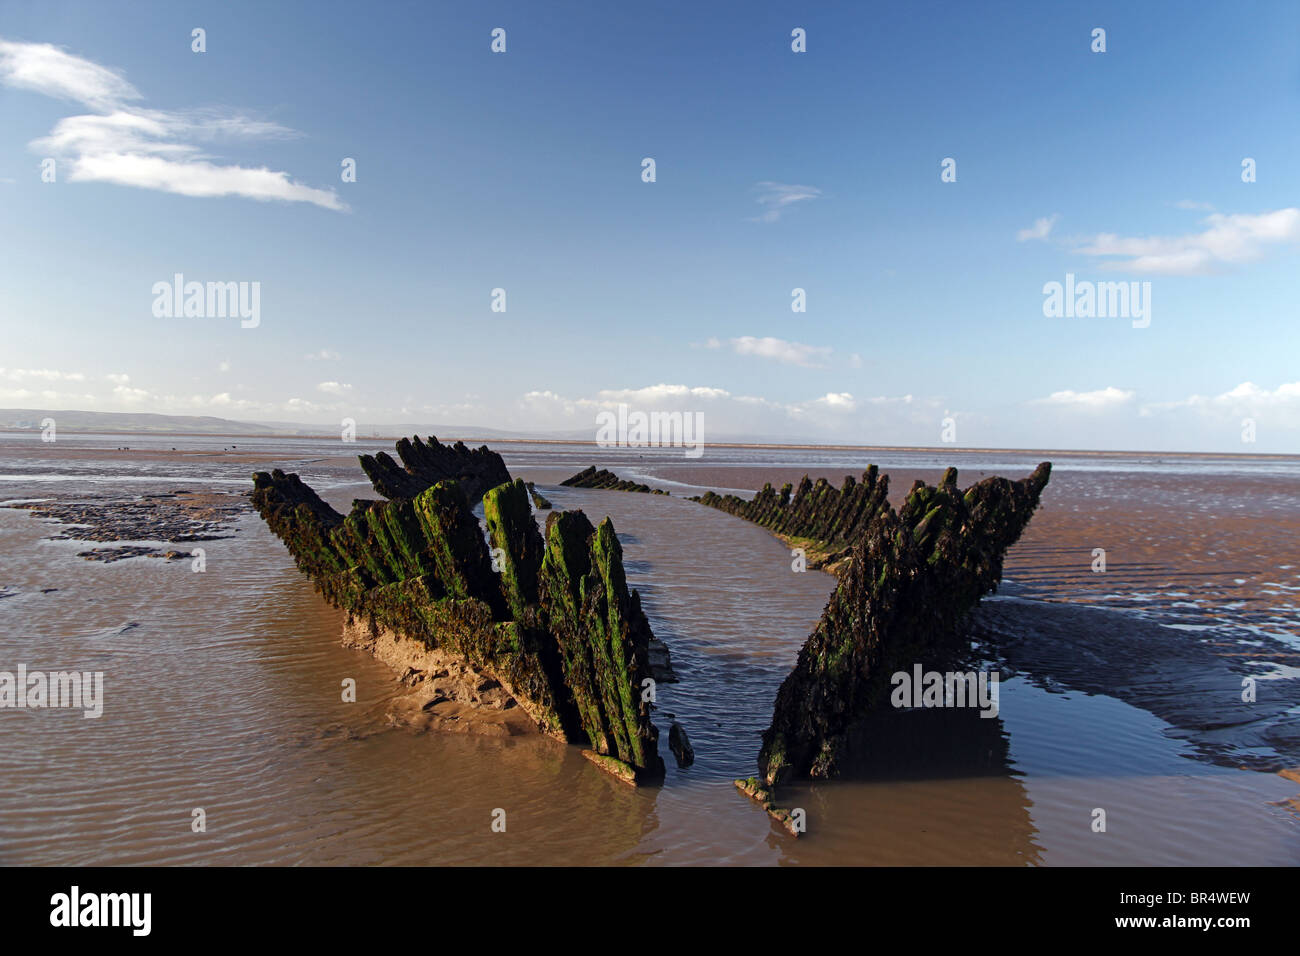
(776, 446)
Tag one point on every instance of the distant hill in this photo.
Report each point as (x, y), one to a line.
(136, 422)
(81, 421)
(68, 420)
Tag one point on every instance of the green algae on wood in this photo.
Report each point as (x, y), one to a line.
(754, 788)
(912, 577)
(821, 519)
(556, 626)
(426, 463)
(603, 637)
(539, 500)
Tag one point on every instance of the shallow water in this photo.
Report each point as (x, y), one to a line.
(223, 688)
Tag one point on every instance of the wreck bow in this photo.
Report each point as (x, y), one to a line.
(907, 581)
(551, 619)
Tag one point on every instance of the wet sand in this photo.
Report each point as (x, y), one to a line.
(223, 688)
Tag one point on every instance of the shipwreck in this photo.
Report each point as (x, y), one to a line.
(548, 617)
(907, 581)
(547, 613)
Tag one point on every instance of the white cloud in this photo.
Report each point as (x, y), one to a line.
(792, 353)
(118, 379)
(1219, 421)
(127, 145)
(1108, 397)
(47, 397)
(334, 388)
(45, 68)
(1226, 240)
(1243, 398)
(1193, 204)
(834, 416)
(839, 400)
(42, 374)
(656, 394)
(778, 197)
(302, 405)
(1041, 228)
(1286, 394)
(131, 396)
(324, 355)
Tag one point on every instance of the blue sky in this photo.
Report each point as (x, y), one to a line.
(775, 170)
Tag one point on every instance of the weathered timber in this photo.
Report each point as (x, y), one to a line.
(552, 619)
(426, 463)
(606, 481)
(825, 520)
(540, 501)
(912, 577)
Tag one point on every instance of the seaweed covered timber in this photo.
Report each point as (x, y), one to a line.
(823, 520)
(540, 501)
(911, 578)
(425, 464)
(551, 619)
(606, 481)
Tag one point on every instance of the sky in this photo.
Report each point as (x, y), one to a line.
(774, 170)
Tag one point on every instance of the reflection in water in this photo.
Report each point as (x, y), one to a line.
(923, 744)
(939, 750)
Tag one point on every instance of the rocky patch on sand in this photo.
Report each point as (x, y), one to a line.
(445, 692)
(175, 517)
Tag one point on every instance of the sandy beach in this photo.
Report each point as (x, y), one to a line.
(1139, 666)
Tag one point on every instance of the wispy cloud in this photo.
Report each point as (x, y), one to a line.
(1041, 228)
(902, 419)
(1273, 414)
(1228, 239)
(792, 353)
(125, 144)
(131, 396)
(779, 197)
(1109, 397)
(334, 388)
(44, 68)
(1244, 398)
(324, 355)
(41, 374)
